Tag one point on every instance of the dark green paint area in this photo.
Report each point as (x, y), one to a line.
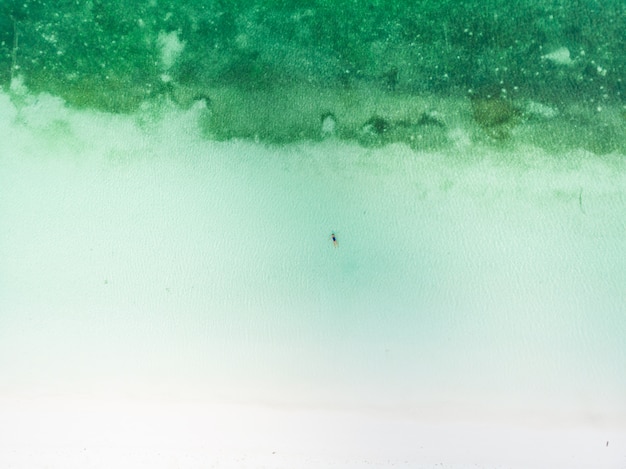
(107, 55)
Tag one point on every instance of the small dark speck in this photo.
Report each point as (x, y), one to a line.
(106, 281)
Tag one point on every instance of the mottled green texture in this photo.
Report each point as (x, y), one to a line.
(101, 47)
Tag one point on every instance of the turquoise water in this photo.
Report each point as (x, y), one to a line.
(168, 259)
(170, 189)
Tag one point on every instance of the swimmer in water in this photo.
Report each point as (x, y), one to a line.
(333, 237)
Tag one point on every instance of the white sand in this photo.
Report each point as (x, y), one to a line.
(173, 302)
(142, 434)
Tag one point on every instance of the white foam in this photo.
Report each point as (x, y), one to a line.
(559, 56)
(171, 48)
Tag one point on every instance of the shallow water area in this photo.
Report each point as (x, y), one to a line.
(474, 292)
